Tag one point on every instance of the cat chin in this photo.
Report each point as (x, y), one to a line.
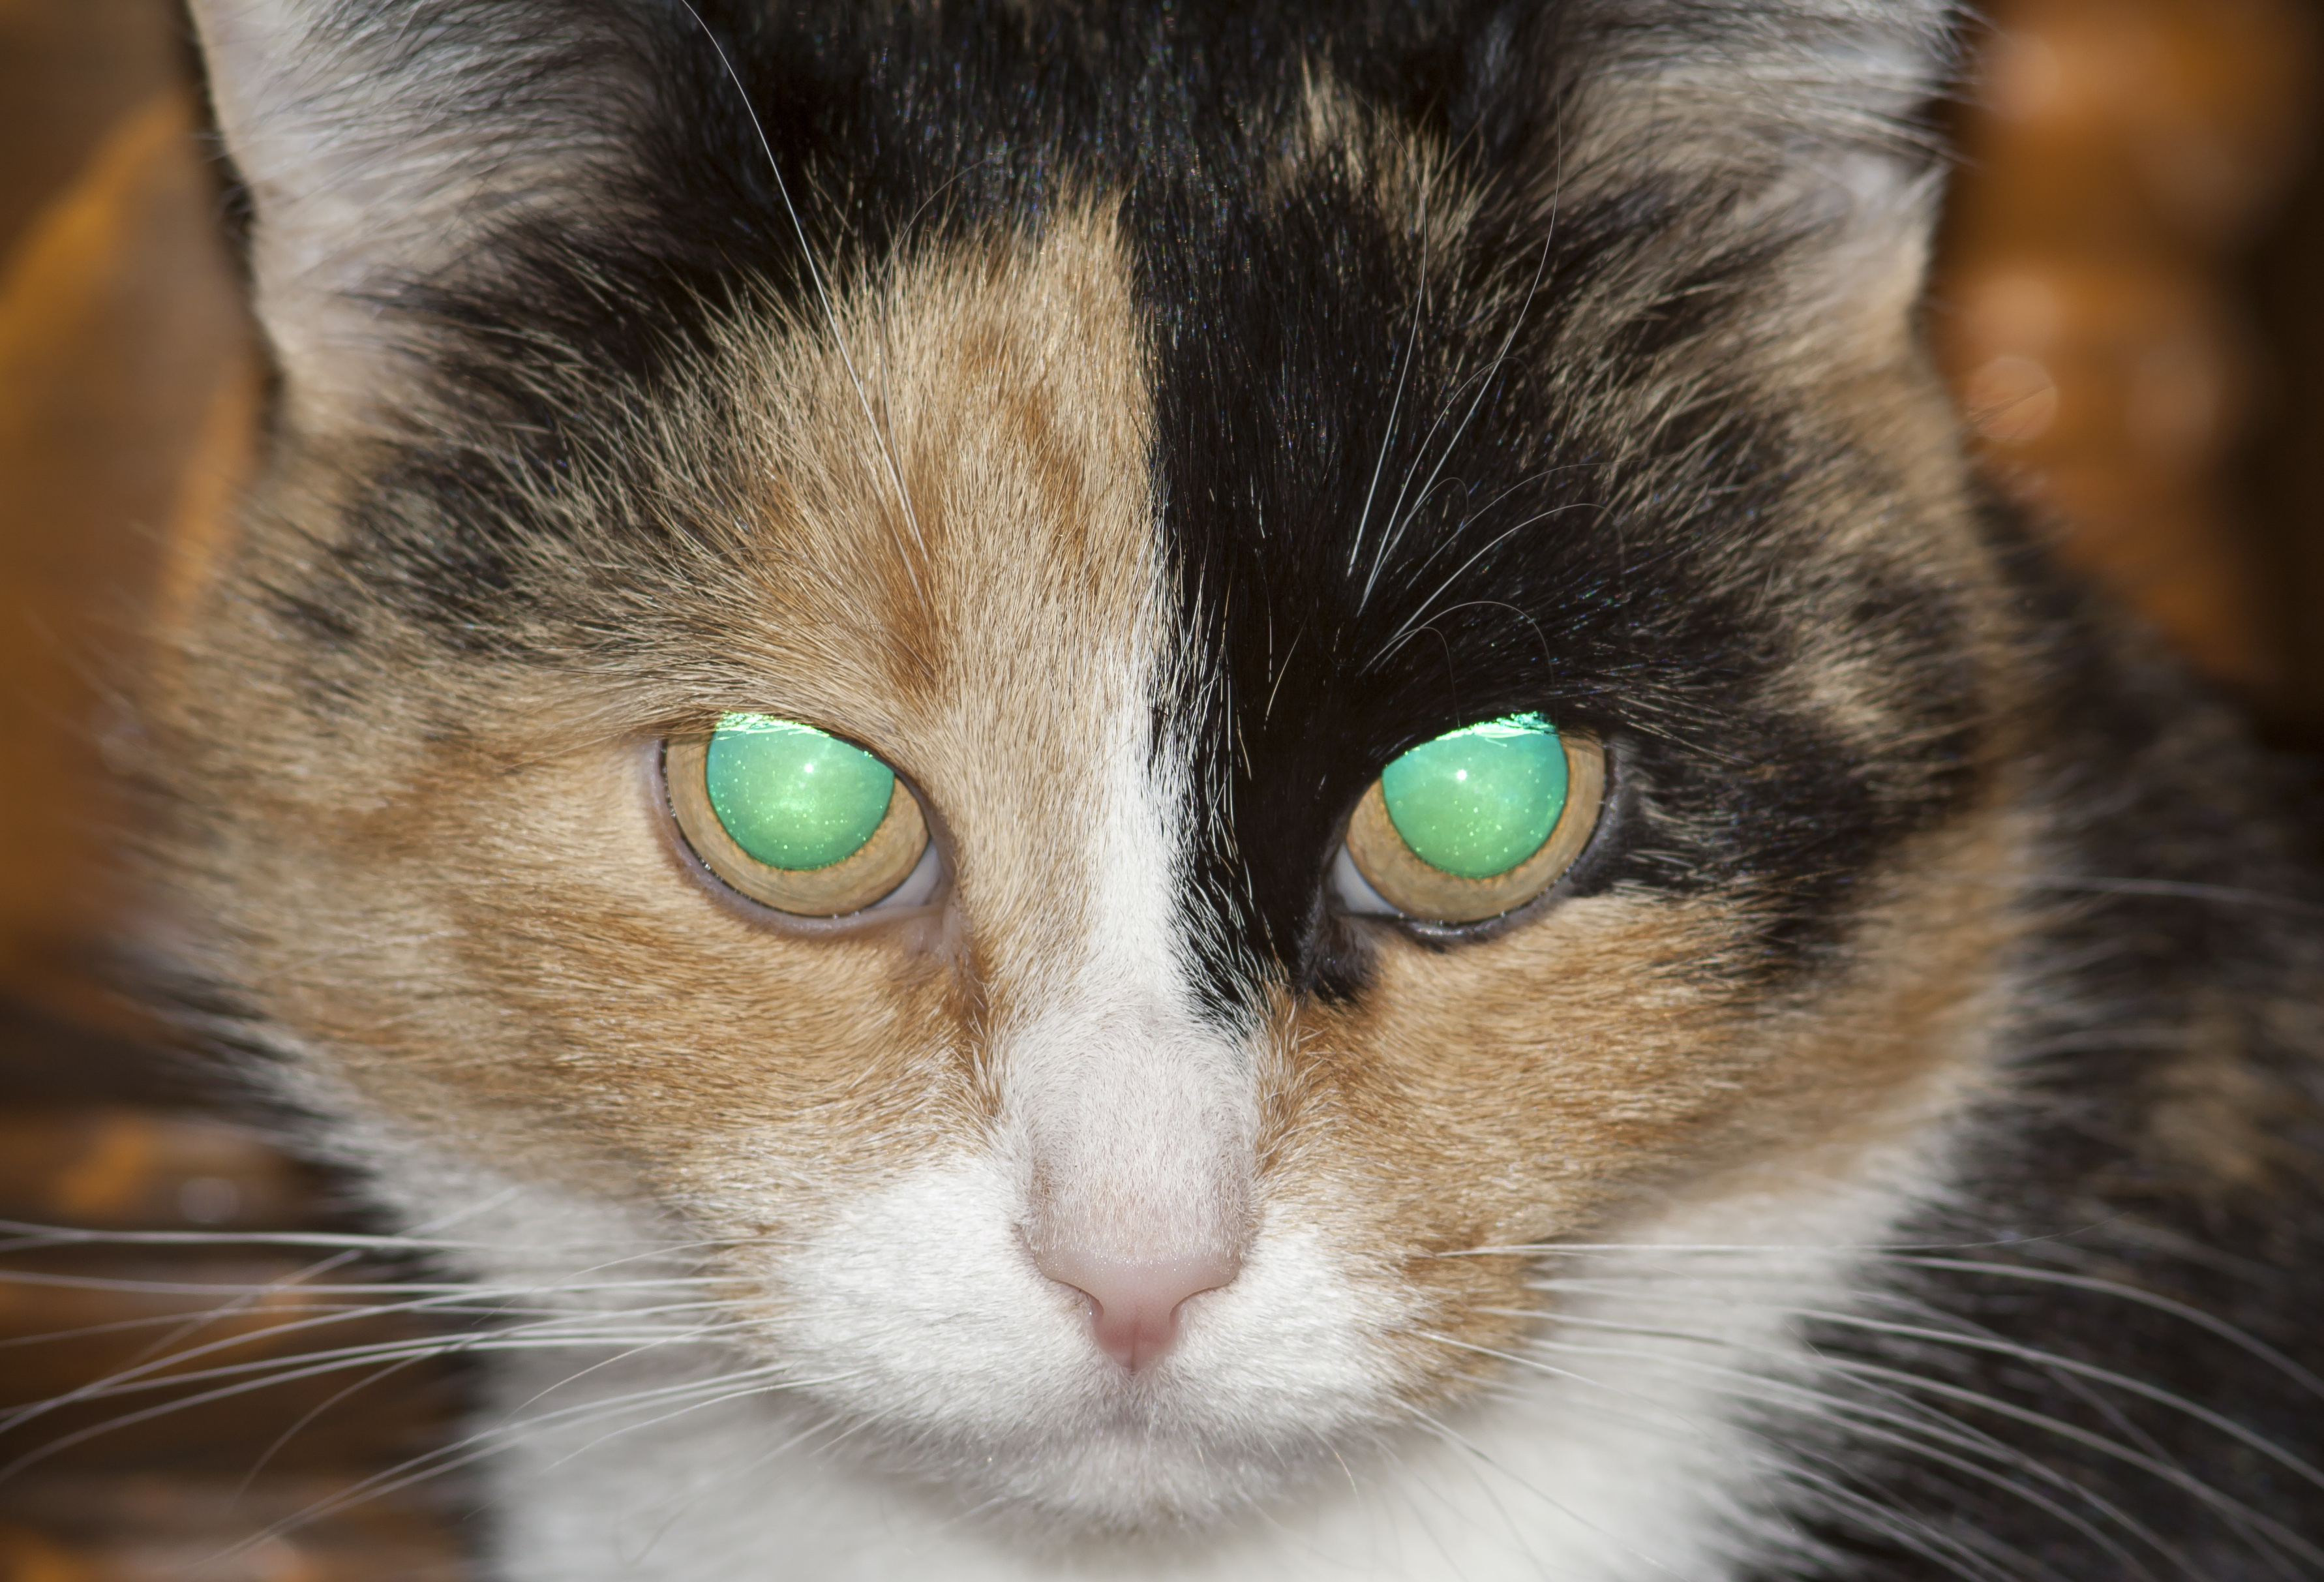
(1143, 1467)
(1119, 1484)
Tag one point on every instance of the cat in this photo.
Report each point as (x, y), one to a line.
(1163, 790)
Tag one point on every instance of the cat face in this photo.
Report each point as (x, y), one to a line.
(1137, 481)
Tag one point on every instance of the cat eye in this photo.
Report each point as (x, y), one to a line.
(797, 818)
(1473, 824)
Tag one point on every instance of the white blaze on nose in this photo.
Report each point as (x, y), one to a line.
(1136, 1118)
(1138, 1195)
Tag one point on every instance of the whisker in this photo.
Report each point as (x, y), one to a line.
(444, 1459)
(649, 1344)
(29, 1237)
(690, 1406)
(1484, 382)
(313, 1413)
(1999, 1345)
(734, 1473)
(1905, 1426)
(1485, 1458)
(2234, 1511)
(823, 295)
(267, 1373)
(1536, 1366)
(2166, 889)
(1395, 403)
(559, 1331)
(2242, 1340)
(1956, 1551)
(2087, 1371)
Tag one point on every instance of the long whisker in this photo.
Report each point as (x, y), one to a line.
(1404, 629)
(275, 1372)
(454, 1301)
(1486, 1459)
(561, 1331)
(561, 1327)
(1902, 1426)
(1958, 1552)
(734, 1473)
(1612, 1281)
(2242, 1340)
(444, 1459)
(315, 1412)
(2164, 889)
(2234, 1511)
(1395, 404)
(648, 1344)
(823, 295)
(2084, 1370)
(1993, 1345)
(1397, 522)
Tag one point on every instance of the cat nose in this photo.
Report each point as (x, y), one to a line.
(1134, 1302)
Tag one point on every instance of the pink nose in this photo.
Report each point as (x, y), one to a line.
(1134, 1302)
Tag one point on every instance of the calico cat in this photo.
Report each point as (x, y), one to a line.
(1176, 790)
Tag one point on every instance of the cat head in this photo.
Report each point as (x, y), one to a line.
(1142, 447)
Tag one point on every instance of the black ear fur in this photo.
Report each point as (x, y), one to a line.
(1764, 124)
(383, 140)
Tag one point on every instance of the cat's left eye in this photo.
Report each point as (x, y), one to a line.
(1473, 824)
(797, 818)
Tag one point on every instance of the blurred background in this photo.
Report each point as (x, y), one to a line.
(2130, 304)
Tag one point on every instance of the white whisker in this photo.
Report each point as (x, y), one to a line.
(823, 295)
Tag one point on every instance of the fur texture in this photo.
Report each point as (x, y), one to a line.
(1891, 1150)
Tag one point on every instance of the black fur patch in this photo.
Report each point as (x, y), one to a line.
(1398, 496)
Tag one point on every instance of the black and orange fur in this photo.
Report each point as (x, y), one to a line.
(1362, 371)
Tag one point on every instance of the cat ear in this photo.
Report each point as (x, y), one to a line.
(1790, 124)
(383, 142)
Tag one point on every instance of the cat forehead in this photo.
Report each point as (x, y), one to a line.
(1358, 361)
(950, 555)
(1295, 435)
(940, 492)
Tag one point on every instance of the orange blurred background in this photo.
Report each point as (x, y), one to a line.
(2125, 162)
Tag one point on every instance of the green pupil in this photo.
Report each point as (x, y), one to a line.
(792, 796)
(1477, 801)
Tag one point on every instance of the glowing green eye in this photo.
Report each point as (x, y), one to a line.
(797, 820)
(1474, 824)
(1477, 802)
(792, 796)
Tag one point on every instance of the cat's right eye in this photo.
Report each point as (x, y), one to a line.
(1473, 824)
(797, 820)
